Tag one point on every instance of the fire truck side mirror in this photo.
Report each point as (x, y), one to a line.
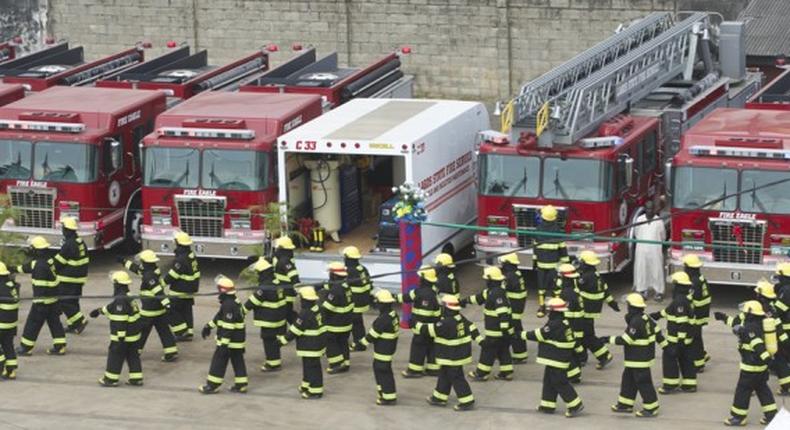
(114, 154)
(668, 177)
(627, 164)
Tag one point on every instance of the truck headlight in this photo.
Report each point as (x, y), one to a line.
(161, 215)
(240, 219)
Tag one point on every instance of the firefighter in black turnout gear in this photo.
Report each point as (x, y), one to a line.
(308, 330)
(595, 292)
(453, 335)
(424, 309)
(269, 309)
(9, 319)
(361, 293)
(285, 273)
(124, 316)
(498, 329)
(676, 361)
(639, 346)
(549, 251)
(183, 280)
(45, 308)
(568, 290)
(782, 307)
(336, 308)
(700, 299)
(383, 335)
(231, 337)
(516, 289)
(155, 303)
(446, 282)
(71, 265)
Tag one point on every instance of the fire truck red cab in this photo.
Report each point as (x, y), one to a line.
(74, 151)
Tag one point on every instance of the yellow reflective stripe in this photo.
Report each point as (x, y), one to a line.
(116, 317)
(42, 283)
(338, 309)
(270, 305)
(753, 368)
(638, 364)
(549, 246)
(230, 325)
(426, 313)
(382, 357)
(592, 296)
(72, 280)
(45, 300)
(553, 363)
(517, 295)
(9, 307)
(6, 326)
(150, 314)
(74, 263)
(269, 324)
(453, 342)
(338, 328)
(542, 265)
(448, 362)
(306, 353)
(360, 290)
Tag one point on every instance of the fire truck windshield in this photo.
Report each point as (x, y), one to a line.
(64, 162)
(772, 199)
(15, 156)
(509, 175)
(172, 167)
(234, 170)
(693, 187)
(577, 179)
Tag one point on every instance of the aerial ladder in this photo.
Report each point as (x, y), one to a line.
(572, 100)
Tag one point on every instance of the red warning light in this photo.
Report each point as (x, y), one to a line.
(272, 47)
(296, 46)
(171, 43)
(406, 50)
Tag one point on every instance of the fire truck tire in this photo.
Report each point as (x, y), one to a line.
(132, 233)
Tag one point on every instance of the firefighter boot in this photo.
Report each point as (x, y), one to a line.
(622, 409)
(24, 351)
(412, 374)
(79, 328)
(104, 382)
(57, 350)
(575, 411)
(735, 422)
(135, 382)
(645, 413)
(433, 401)
(9, 374)
(239, 388)
(468, 406)
(209, 389)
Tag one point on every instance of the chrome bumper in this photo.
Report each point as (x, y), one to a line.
(729, 273)
(92, 238)
(527, 259)
(210, 247)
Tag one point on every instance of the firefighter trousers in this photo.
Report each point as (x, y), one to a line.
(781, 365)
(70, 305)
(312, 376)
(555, 382)
(8, 359)
(337, 353)
(590, 342)
(385, 381)
(546, 281)
(518, 345)
(219, 364)
(39, 315)
(493, 349)
(357, 327)
(452, 378)
(678, 366)
(757, 383)
(162, 329)
(182, 320)
(697, 348)
(422, 354)
(271, 348)
(638, 381)
(119, 353)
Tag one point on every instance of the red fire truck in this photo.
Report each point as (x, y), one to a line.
(590, 137)
(10, 93)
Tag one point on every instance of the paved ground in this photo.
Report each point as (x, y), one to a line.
(62, 391)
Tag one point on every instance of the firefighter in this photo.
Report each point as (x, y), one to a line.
(753, 366)
(453, 335)
(383, 335)
(782, 306)
(779, 345)
(183, 280)
(498, 328)
(361, 293)
(318, 233)
(308, 330)
(155, 303)
(285, 273)
(567, 289)
(700, 299)
(71, 265)
(124, 316)
(516, 289)
(555, 351)
(425, 309)
(446, 282)
(9, 319)
(336, 309)
(677, 361)
(269, 312)
(550, 251)
(231, 339)
(594, 292)
(639, 347)
(45, 308)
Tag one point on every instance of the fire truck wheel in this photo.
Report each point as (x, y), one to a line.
(133, 235)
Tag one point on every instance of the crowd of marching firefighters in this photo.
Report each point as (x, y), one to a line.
(330, 323)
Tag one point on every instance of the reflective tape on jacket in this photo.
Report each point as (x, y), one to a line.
(426, 312)
(553, 363)
(72, 280)
(513, 295)
(638, 364)
(269, 324)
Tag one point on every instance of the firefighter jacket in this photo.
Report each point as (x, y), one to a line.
(71, 262)
(568, 290)
(496, 310)
(152, 292)
(269, 308)
(446, 283)
(9, 303)
(555, 343)
(383, 335)
(361, 287)
(700, 299)
(751, 346)
(639, 341)
(308, 330)
(782, 304)
(594, 291)
(550, 250)
(516, 289)
(285, 273)
(425, 303)
(452, 336)
(43, 278)
(679, 314)
(229, 322)
(183, 277)
(124, 316)
(336, 307)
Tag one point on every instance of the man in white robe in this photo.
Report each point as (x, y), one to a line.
(649, 257)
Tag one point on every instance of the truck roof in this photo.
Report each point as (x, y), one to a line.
(10, 93)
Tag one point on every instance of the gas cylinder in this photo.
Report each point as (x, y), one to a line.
(769, 328)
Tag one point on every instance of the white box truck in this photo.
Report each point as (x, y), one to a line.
(339, 169)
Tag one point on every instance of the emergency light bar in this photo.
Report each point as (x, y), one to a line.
(61, 127)
(601, 142)
(206, 133)
(729, 151)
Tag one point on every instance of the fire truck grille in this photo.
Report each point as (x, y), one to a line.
(732, 236)
(201, 216)
(527, 219)
(34, 207)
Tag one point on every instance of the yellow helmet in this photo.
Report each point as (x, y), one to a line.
(636, 300)
(4, 269)
(121, 277)
(384, 296)
(765, 289)
(308, 293)
(549, 213)
(337, 268)
(352, 252)
(511, 258)
(148, 256)
(783, 269)
(225, 284)
(261, 264)
(692, 260)
(182, 238)
(681, 278)
(428, 273)
(450, 301)
(38, 242)
(285, 242)
(753, 307)
(556, 304)
(568, 270)
(493, 273)
(69, 222)
(589, 257)
(444, 259)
